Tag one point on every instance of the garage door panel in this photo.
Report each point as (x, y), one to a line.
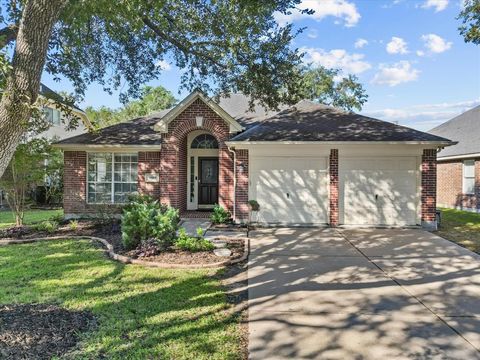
(379, 191)
(291, 190)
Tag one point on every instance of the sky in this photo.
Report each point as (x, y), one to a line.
(408, 55)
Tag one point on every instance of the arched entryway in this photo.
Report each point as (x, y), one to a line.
(202, 170)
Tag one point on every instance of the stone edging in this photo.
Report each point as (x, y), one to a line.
(128, 260)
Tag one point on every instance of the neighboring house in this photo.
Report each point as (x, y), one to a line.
(307, 164)
(57, 129)
(458, 168)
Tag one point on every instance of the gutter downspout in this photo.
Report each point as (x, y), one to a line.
(232, 150)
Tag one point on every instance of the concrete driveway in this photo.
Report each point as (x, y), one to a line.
(362, 294)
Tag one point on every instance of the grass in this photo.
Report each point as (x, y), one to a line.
(7, 219)
(143, 313)
(461, 227)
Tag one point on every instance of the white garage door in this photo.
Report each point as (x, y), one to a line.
(290, 190)
(379, 191)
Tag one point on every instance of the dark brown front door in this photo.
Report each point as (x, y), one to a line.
(208, 184)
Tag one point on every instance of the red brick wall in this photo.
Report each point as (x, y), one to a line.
(74, 180)
(242, 185)
(450, 185)
(429, 184)
(173, 156)
(334, 199)
(148, 162)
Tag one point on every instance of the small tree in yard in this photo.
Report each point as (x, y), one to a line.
(25, 171)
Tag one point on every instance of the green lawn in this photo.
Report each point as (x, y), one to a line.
(462, 227)
(143, 313)
(7, 218)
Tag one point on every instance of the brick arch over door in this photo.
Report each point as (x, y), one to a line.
(173, 178)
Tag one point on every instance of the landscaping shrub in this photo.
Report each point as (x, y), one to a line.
(47, 226)
(144, 218)
(191, 243)
(73, 225)
(220, 215)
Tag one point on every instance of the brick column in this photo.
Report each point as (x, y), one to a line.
(74, 180)
(429, 188)
(241, 193)
(334, 213)
(148, 162)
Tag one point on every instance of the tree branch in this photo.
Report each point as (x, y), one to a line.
(185, 48)
(8, 34)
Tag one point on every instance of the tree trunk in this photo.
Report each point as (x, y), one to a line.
(23, 81)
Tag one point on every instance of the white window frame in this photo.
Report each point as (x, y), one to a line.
(112, 179)
(464, 177)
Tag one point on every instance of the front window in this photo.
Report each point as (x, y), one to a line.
(469, 177)
(111, 177)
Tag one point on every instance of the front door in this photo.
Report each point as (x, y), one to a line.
(208, 181)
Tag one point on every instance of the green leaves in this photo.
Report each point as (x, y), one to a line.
(470, 16)
(324, 86)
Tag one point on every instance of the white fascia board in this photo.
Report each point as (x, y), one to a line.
(110, 148)
(423, 143)
(458, 157)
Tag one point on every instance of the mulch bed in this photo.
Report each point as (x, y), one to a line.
(40, 331)
(111, 233)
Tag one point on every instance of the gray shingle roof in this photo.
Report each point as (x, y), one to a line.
(309, 121)
(306, 121)
(465, 128)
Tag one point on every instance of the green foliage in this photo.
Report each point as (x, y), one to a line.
(199, 231)
(254, 205)
(152, 99)
(26, 170)
(46, 226)
(144, 218)
(470, 16)
(220, 215)
(73, 225)
(56, 218)
(321, 85)
(191, 243)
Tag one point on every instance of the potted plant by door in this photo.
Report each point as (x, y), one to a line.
(253, 206)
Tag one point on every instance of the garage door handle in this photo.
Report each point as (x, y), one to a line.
(376, 196)
(288, 195)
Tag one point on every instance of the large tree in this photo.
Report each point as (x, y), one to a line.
(470, 16)
(152, 99)
(222, 46)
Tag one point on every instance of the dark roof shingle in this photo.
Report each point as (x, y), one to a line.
(309, 121)
(465, 128)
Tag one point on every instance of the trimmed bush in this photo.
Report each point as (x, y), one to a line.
(144, 218)
(193, 244)
(220, 215)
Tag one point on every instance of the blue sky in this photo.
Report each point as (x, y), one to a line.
(408, 54)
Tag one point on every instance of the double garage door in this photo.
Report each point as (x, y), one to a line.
(373, 191)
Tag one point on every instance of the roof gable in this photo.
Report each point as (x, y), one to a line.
(162, 125)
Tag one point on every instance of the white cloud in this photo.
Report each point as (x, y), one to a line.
(337, 59)
(439, 5)
(397, 46)
(435, 43)
(426, 116)
(312, 34)
(395, 74)
(360, 43)
(342, 9)
(164, 65)
(420, 53)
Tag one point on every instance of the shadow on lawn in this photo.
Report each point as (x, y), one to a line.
(141, 312)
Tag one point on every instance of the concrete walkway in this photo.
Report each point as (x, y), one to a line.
(191, 225)
(362, 294)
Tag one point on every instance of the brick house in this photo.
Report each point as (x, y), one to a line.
(307, 164)
(458, 169)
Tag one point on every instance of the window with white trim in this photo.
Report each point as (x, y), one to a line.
(111, 177)
(469, 177)
(53, 116)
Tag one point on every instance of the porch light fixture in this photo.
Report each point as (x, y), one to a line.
(199, 121)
